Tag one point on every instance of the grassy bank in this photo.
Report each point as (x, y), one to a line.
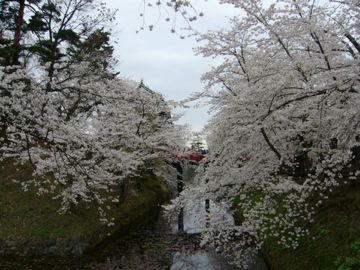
(334, 239)
(24, 215)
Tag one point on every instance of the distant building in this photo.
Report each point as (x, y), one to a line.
(165, 114)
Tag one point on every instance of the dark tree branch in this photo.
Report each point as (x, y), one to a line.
(269, 143)
(353, 42)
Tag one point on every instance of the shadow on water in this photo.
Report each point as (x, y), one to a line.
(154, 246)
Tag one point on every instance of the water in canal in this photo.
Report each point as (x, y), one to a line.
(154, 246)
(157, 245)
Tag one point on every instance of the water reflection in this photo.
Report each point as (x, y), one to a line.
(195, 217)
(199, 260)
(155, 246)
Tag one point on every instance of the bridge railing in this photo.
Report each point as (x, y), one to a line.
(175, 157)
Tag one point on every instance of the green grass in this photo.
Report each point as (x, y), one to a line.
(335, 229)
(334, 240)
(24, 215)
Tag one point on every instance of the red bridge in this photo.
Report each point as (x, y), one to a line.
(195, 157)
(191, 157)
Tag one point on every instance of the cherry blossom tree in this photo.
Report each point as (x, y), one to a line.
(286, 116)
(171, 11)
(83, 128)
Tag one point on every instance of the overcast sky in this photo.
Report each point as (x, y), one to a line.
(166, 63)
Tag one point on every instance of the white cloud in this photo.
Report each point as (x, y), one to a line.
(165, 62)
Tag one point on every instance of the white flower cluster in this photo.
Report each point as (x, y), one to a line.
(86, 135)
(286, 118)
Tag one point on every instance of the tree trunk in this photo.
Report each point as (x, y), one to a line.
(17, 35)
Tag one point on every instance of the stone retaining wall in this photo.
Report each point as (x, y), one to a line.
(74, 246)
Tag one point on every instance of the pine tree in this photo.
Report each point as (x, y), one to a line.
(197, 144)
(83, 129)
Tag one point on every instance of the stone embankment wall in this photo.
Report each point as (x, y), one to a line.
(74, 245)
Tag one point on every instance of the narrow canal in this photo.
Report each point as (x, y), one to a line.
(153, 246)
(157, 245)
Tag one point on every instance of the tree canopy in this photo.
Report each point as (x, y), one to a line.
(286, 115)
(285, 102)
(64, 109)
